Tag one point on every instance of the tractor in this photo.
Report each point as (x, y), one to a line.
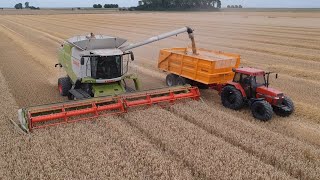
(251, 86)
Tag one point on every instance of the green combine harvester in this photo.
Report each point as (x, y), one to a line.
(97, 68)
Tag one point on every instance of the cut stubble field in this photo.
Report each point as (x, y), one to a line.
(189, 140)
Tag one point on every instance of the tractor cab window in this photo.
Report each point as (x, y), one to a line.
(245, 79)
(241, 78)
(260, 80)
(106, 67)
(237, 77)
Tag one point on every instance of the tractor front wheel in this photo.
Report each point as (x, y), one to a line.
(231, 98)
(262, 110)
(286, 109)
(64, 85)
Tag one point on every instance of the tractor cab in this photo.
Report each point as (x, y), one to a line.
(250, 79)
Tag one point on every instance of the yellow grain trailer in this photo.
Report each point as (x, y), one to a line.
(186, 66)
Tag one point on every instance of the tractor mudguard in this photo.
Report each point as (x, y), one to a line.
(239, 87)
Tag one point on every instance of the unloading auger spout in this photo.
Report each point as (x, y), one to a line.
(163, 36)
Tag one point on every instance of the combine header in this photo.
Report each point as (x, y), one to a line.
(97, 70)
(73, 111)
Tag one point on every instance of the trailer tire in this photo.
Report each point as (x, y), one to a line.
(231, 98)
(64, 85)
(171, 80)
(262, 110)
(182, 81)
(286, 110)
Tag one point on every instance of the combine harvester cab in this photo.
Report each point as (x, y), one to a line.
(97, 70)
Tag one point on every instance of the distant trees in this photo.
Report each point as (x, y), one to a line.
(18, 6)
(111, 6)
(234, 6)
(27, 6)
(97, 6)
(106, 6)
(181, 4)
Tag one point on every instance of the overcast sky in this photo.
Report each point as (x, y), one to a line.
(89, 3)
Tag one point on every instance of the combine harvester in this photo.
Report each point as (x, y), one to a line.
(97, 74)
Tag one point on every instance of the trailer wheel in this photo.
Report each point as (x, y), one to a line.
(287, 108)
(171, 80)
(64, 85)
(262, 110)
(182, 81)
(231, 98)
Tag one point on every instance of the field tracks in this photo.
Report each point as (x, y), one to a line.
(272, 148)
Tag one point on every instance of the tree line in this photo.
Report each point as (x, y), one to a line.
(106, 6)
(178, 4)
(234, 6)
(26, 5)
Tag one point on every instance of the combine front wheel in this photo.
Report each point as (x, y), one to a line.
(286, 109)
(262, 110)
(64, 86)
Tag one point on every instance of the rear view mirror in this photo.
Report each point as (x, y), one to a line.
(82, 61)
(132, 56)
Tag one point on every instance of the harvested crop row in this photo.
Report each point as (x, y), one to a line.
(290, 155)
(297, 126)
(207, 155)
(101, 149)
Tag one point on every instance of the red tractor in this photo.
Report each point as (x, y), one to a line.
(251, 86)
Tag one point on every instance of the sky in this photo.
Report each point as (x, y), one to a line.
(127, 3)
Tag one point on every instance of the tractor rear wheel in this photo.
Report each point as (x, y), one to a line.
(231, 98)
(64, 85)
(262, 110)
(171, 80)
(286, 109)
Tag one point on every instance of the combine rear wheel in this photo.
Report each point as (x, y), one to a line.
(262, 110)
(231, 98)
(171, 80)
(64, 85)
(286, 109)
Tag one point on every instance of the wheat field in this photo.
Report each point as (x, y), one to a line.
(190, 140)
